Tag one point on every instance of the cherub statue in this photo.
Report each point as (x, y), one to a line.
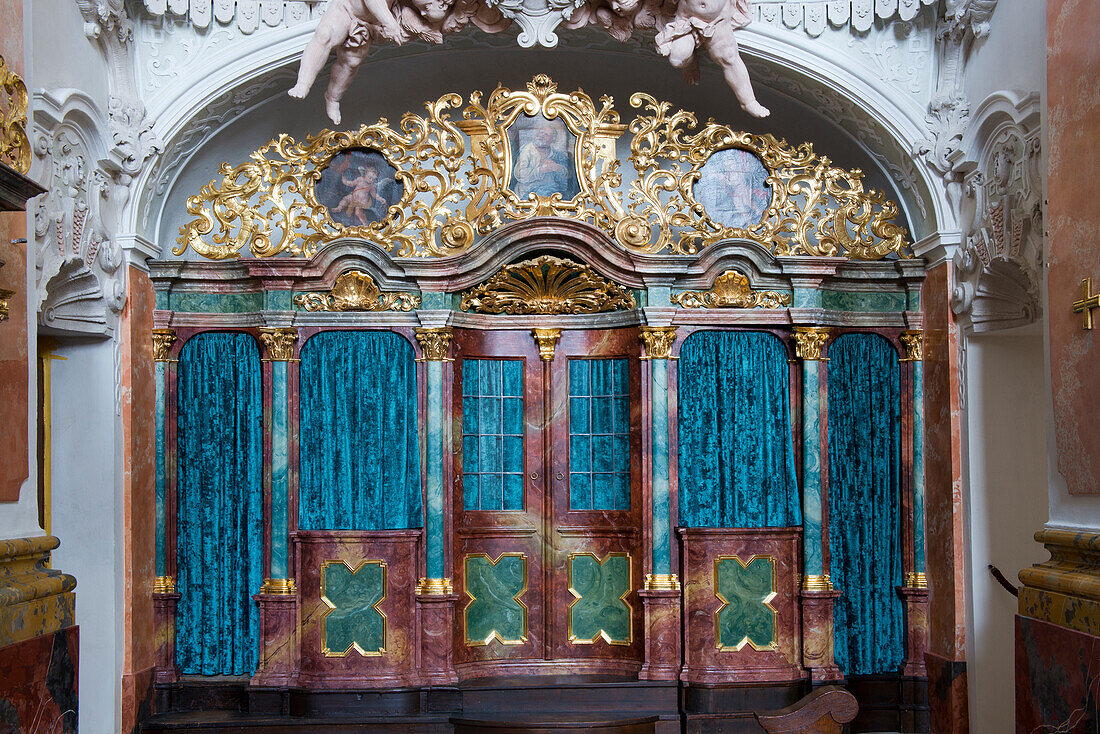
(710, 23)
(352, 25)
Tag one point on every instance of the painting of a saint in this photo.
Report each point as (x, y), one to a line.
(358, 187)
(733, 188)
(543, 158)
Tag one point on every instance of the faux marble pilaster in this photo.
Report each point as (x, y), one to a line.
(662, 551)
(812, 559)
(435, 343)
(437, 639)
(918, 467)
(160, 476)
(662, 634)
(916, 630)
(817, 635)
(164, 648)
(279, 346)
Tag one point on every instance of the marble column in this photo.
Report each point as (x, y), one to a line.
(662, 594)
(435, 592)
(818, 595)
(915, 591)
(165, 597)
(277, 599)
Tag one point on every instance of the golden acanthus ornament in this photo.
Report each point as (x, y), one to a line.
(732, 290)
(356, 291)
(547, 285)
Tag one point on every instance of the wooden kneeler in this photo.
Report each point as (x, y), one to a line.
(825, 711)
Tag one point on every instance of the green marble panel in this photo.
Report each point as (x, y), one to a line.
(354, 619)
(161, 300)
(600, 609)
(746, 590)
(216, 302)
(495, 610)
(854, 301)
(278, 300)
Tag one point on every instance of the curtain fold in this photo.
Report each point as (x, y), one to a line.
(220, 504)
(864, 503)
(736, 454)
(359, 455)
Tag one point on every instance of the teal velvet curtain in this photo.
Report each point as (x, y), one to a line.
(865, 503)
(220, 504)
(736, 453)
(492, 434)
(599, 434)
(359, 455)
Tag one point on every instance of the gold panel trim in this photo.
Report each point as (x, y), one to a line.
(494, 635)
(658, 341)
(284, 587)
(546, 339)
(1088, 302)
(279, 344)
(548, 285)
(385, 621)
(5, 307)
(662, 582)
(356, 291)
(456, 177)
(602, 634)
(732, 290)
(808, 341)
(435, 343)
(767, 602)
(15, 148)
(163, 339)
(434, 587)
(817, 582)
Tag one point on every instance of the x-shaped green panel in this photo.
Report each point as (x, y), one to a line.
(600, 609)
(495, 611)
(746, 616)
(353, 620)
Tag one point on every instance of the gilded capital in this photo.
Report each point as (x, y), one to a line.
(658, 341)
(435, 343)
(546, 339)
(279, 343)
(808, 342)
(914, 345)
(163, 339)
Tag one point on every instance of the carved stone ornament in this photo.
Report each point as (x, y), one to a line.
(279, 344)
(731, 290)
(163, 339)
(456, 177)
(435, 343)
(548, 285)
(808, 341)
(658, 341)
(356, 291)
(15, 147)
(914, 345)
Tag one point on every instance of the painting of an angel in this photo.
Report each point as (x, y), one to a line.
(543, 151)
(733, 188)
(358, 188)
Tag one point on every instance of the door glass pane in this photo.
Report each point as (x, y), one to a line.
(492, 440)
(599, 435)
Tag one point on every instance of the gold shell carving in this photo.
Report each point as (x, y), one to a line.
(547, 285)
(15, 148)
(456, 175)
(731, 290)
(356, 291)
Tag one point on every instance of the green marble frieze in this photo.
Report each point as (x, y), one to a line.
(495, 611)
(353, 620)
(600, 609)
(746, 590)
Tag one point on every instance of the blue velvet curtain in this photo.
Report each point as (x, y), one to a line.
(359, 456)
(865, 503)
(492, 434)
(599, 434)
(220, 504)
(736, 454)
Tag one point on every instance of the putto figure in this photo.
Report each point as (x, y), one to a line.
(710, 24)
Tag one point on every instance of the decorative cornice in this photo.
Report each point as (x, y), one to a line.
(548, 285)
(162, 344)
(658, 341)
(15, 147)
(546, 340)
(808, 341)
(435, 344)
(731, 290)
(279, 344)
(914, 345)
(356, 291)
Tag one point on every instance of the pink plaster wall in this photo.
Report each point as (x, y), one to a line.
(1073, 229)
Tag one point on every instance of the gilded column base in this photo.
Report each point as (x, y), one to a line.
(277, 664)
(662, 582)
(164, 585)
(437, 636)
(662, 633)
(817, 582)
(916, 629)
(434, 587)
(916, 580)
(817, 634)
(285, 587)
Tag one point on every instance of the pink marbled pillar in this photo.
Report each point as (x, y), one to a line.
(1073, 229)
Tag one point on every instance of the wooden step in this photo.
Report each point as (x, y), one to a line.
(555, 725)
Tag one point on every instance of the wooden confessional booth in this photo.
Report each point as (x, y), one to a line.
(519, 413)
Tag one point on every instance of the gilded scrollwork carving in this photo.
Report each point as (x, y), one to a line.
(458, 178)
(732, 290)
(356, 291)
(15, 147)
(547, 285)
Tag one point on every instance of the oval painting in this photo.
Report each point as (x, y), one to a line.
(358, 187)
(732, 187)
(542, 158)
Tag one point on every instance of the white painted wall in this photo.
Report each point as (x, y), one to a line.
(87, 517)
(1013, 55)
(1007, 395)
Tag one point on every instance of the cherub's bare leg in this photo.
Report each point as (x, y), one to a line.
(691, 70)
(343, 71)
(681, 54)
(332, 30)
(723, 49)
